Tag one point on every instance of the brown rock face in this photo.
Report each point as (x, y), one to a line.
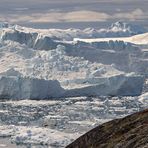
(128, 132)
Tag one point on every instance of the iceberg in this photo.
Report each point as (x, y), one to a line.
(119, 85)
(12, 87)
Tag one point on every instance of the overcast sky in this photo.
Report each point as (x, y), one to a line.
(73, 13)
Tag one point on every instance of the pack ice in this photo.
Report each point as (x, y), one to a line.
(43, 64)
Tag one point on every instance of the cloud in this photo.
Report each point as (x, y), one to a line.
(86, 16)
(74, 16)
(133, 15)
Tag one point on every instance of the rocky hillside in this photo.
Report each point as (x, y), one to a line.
(128, 132)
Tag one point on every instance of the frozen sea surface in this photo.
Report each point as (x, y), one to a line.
(56, 123)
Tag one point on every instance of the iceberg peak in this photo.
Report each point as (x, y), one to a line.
(127, 27)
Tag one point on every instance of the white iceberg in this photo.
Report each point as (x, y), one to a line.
(12, 87)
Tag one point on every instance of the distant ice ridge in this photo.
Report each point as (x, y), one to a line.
(128, 29)
(117, 29)
(42, 41)
(4, 25)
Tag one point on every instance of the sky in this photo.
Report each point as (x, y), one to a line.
(73, 13)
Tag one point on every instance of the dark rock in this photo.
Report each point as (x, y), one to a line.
(128, 132)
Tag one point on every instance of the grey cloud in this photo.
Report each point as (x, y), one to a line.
(57, 11)
(74, 16)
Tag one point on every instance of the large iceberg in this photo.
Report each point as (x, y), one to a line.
(119, 85)
(12, 87)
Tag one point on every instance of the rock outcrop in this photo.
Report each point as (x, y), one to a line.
(128, 132)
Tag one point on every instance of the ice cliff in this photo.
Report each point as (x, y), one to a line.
(12, 87)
